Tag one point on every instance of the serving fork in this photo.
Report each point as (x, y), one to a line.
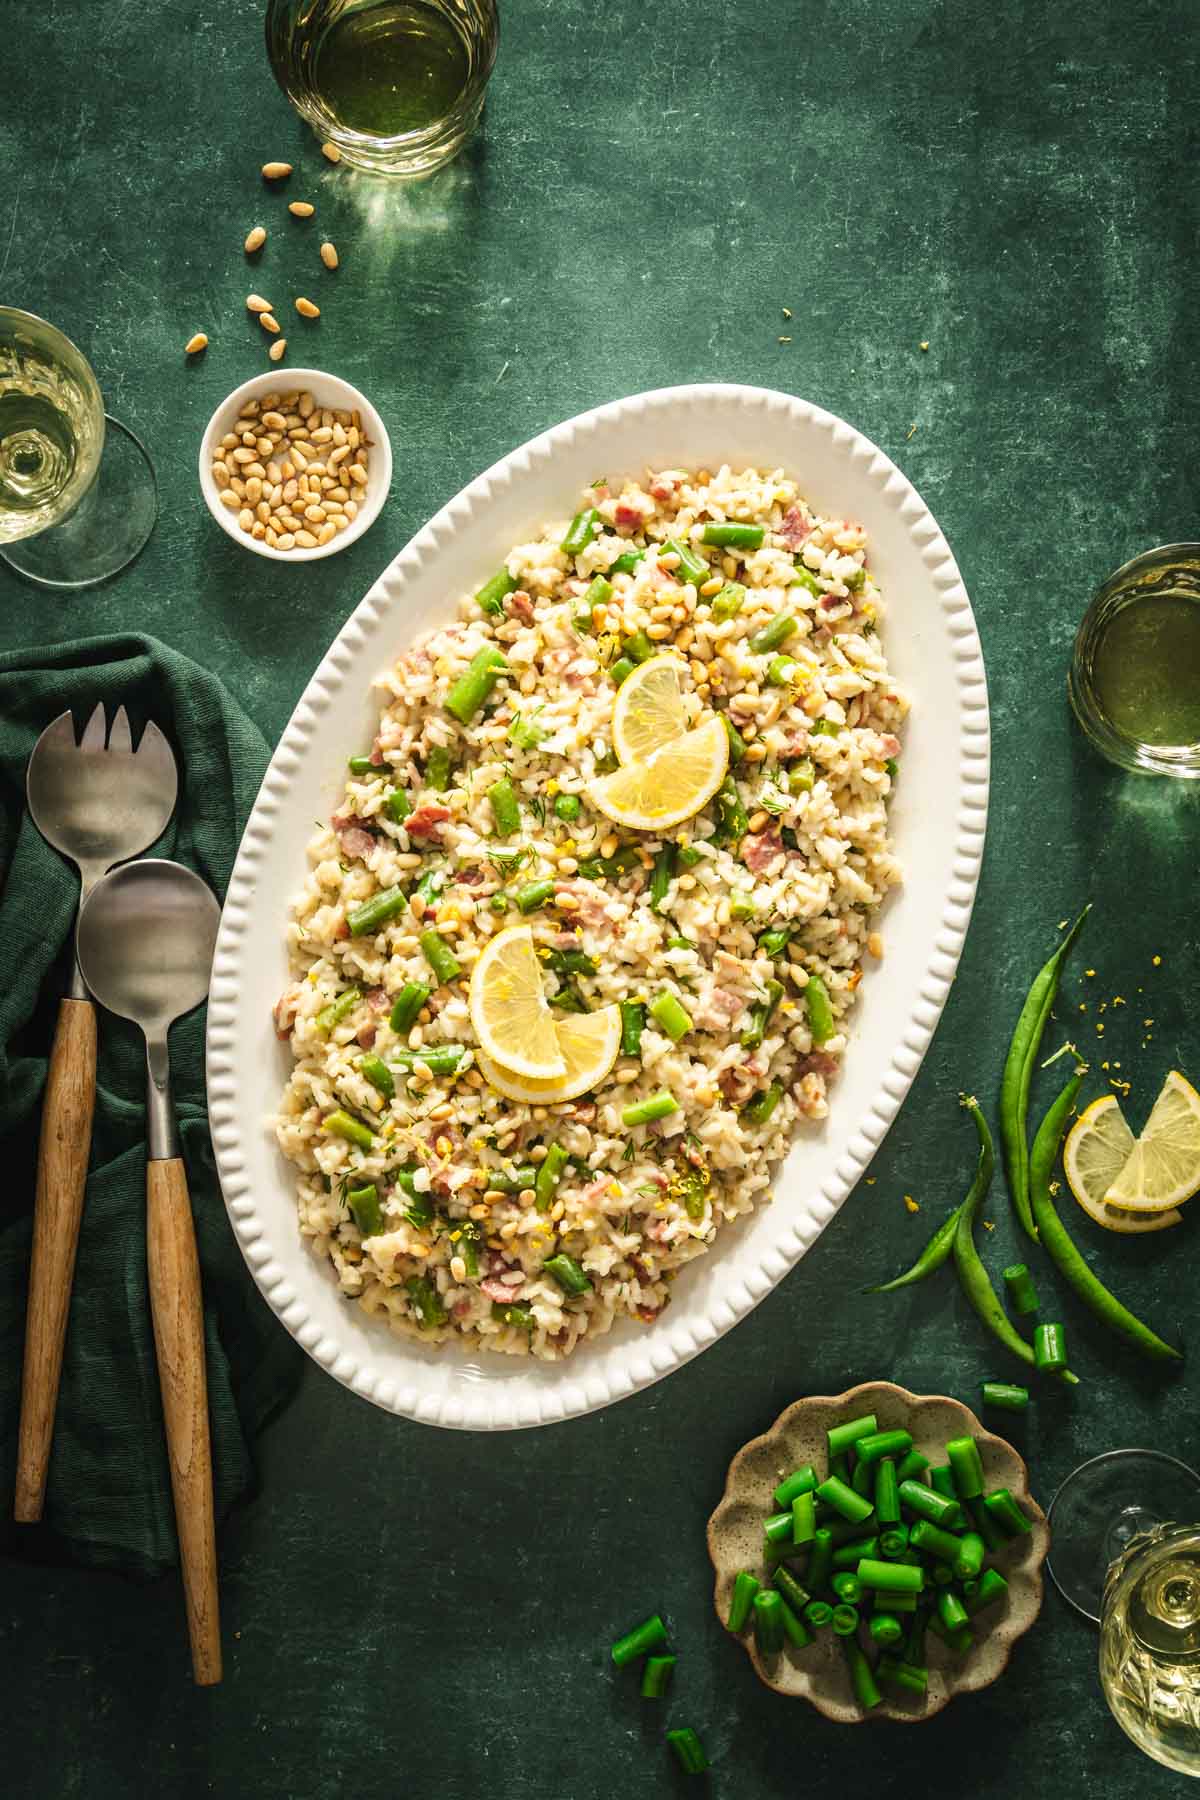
(97, 803)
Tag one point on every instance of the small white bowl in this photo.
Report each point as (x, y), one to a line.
(326, 390)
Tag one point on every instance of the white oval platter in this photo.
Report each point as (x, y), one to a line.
(938, 818)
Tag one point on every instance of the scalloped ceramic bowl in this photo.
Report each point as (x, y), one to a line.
(938, 820)
(818, 1674)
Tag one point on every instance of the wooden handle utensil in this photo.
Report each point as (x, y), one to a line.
(63, 1153)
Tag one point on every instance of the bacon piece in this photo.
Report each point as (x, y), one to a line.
(356, 842)
(761, 850)
(627, 517)
(470, 877)
(663, 487)
(377, 999)
(890, 744)
(818, 1062)
(793, 528)
(518, 605)
(427, 821)
(648, 1314)
(365, 1036)
(492, 1287)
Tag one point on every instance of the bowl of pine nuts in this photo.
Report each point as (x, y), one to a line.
(297, 467)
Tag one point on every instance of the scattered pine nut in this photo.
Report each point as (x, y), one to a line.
(329, 255)
(268, 321)
(332, 152)
(302, 209)
(306, 309)
(256, 304)
(277, 349)
(195, 343)
(275, 171)
(255, 240)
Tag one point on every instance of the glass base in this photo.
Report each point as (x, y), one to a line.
(1102, 1506)
(107, 529)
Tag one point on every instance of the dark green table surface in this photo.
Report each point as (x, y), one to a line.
(414, 1611)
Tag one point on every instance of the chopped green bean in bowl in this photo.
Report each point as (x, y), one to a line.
(836, 1673)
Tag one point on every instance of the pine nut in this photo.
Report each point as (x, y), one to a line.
(268, 321)
(254, 490)
(258, 530)
(220, 472)
(340, 494)
(272, 538)
(306, 309)
(757, 821)
(229, 498)
(326, 532)
(329, 256)
(245, 518)
(238, 486)
(306, 540)
(315, 514)
(302, 209)
(323, 433)
(275, 171)
(195, 344)
(286, 541)
(242, 455)
(339, 454)
(305, 404)
(256, 304)
(253, 468)
(299, 457)
(332, 152)
(255, 240)
(350, 508)
(290, 490)
(358, 474)
(659, 633)
(277, 349)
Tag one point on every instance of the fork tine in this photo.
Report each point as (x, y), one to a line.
(157, 749)
(60, 731)
(119, 736)
(94, 732)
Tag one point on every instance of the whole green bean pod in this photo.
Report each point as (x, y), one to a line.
(939, 1248)
(1060, 1247)
(1018, 1074)
(976, 1282)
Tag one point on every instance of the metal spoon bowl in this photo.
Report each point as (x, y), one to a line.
(145, 942)
(145, 945)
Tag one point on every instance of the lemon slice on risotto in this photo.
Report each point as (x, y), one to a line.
(509, 1011)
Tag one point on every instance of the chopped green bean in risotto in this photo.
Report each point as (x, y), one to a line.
(523, 1226)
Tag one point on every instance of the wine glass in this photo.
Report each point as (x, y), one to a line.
(1119, 1556)
(77, 492)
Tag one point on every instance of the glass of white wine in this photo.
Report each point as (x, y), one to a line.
(1122, 1558)
(77, 492)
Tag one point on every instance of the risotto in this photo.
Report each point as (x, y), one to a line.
(429, 1190)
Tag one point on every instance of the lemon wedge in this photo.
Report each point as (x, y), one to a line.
(1163, 1168)
(588, 1042)
(672, 784)
(649, 711)
(1098, 1147)
(512, 1020)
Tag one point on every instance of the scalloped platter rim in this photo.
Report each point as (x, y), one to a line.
(818, 1674)
(939, 818)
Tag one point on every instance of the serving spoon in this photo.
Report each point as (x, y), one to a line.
(96, 804)
(145, 945)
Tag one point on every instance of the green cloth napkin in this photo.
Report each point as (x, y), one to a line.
(108, 1499)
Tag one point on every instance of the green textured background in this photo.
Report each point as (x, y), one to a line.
(409, 1610)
